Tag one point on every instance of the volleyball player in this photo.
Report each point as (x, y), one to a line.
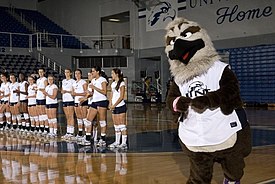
(89, 97)
(41, 102)
(99, 104)
(23, 105)
(79, 91)
(118, 108)
(5, 108)
(68, 103)
(51, 105)
(33, 113)
(14, 103)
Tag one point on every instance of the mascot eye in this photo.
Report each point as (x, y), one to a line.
(172, 42)
(186, 35)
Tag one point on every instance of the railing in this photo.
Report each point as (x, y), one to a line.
(61, 41)
(51, 63)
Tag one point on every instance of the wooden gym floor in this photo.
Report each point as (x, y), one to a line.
(153, 156)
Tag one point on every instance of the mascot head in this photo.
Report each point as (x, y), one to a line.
(189, 49)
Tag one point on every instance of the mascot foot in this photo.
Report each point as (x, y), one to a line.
(226, 181)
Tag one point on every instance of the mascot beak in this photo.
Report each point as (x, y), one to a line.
(184, 50)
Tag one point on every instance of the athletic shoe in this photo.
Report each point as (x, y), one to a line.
(65, 137)
(123, 146)
(85, 142)
(113, 145)
(79, 138)
(226, 181)
(101, 143)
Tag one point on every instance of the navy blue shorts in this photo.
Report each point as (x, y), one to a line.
(103, 103)
(85, 103)
(13, 103)
(67, 104)
(120, 110)
(31, 105)
(50, 106)
(4, 102)
(40, 102)
(23, 101)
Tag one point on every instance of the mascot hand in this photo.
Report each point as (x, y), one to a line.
(183, 104)
(200, 104)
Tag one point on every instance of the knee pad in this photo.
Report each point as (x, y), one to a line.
(122, 128)
(117, 128)
(18, 117)
(13, 117)
(40, 117)
(36, 118)
(44, 117)
(26, 115)
(50, 121)
(1, 115)
(31, 118)
(7, 114)
(87, 122)
(54, 120)
(79, 121)
(102, 123)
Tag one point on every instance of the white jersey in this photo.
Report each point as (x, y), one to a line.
(211, 127)
(5, 90)
(98, 83)
(78, 88)
(116, 94)
(40, 85)
(23, 89)
(14, 97)
(49, 89)
(32, 92)
(67, 85)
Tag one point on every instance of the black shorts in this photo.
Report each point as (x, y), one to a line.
(4, 102)
(120, 110)
(85, 103)
(32, 105)
(67, 104)
(13, 103)
(103, 103)
(24, 101)
(41, 102)
(50, 106)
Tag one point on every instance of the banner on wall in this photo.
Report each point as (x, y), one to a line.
(159, 15)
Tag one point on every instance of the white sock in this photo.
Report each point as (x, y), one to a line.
(124, 139)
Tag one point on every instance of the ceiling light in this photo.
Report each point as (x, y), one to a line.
(114, 20)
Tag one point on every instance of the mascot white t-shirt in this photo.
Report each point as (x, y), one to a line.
(211, 127)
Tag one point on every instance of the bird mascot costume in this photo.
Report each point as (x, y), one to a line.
(205, 101)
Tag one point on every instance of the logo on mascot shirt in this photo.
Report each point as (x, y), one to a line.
(196, 89)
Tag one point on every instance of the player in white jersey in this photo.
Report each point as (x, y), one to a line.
(32, 104)
(23, 87)
(79, 91)
(99, 104)
(51, 105)
(4, 107)
(14, 103)
(118, 108)
(68, 103)
(89, 98)
(41, 101)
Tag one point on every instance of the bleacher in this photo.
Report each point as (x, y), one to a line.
(43, 24)
(10, 25)
(255, 69)
(25, 64)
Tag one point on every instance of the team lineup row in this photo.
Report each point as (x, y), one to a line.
(31, 106)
